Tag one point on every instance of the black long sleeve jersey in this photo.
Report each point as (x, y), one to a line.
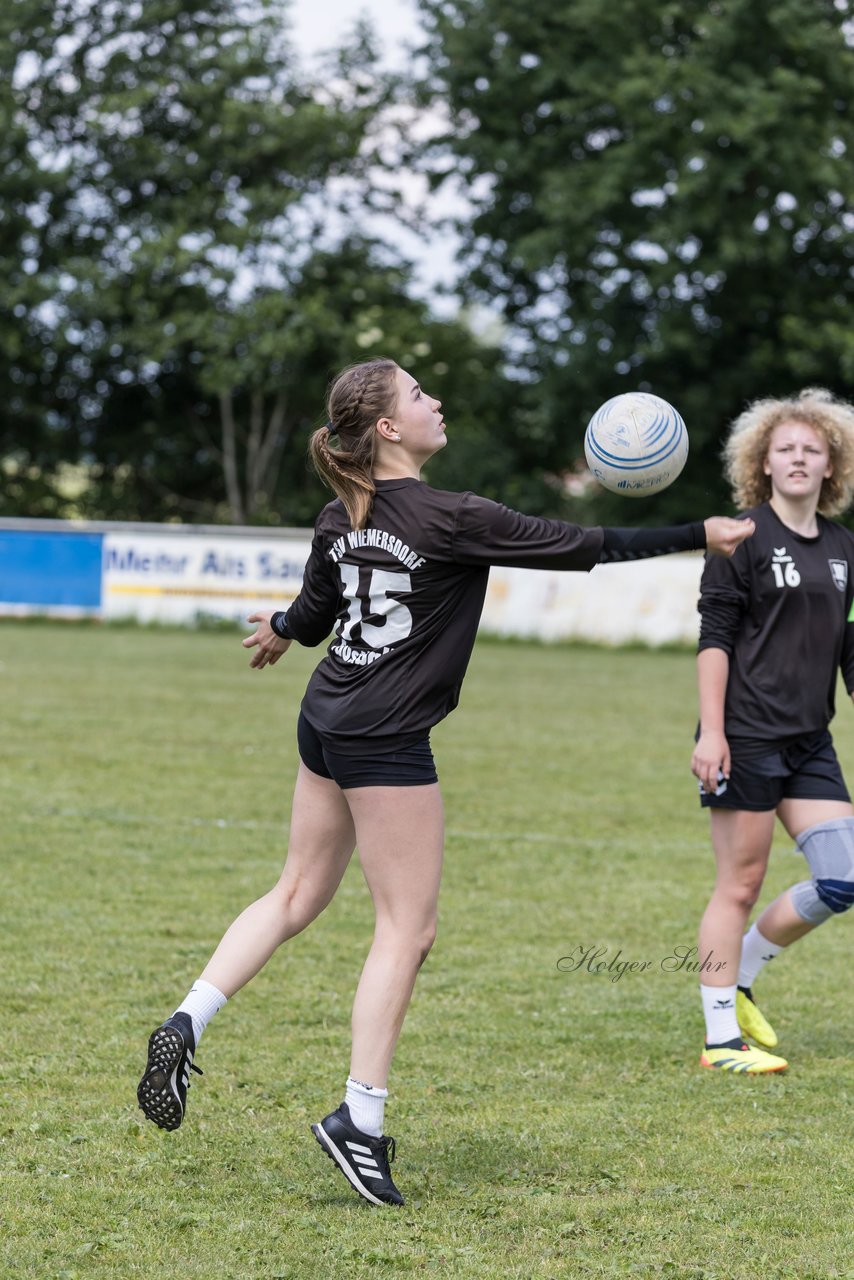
(405, 595)
(781, 608)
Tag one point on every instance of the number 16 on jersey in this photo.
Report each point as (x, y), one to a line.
(784, 569)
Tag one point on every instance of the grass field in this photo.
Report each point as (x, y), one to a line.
(549, 1123)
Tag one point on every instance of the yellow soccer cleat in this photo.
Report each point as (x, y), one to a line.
(744, 1061)
(753, 1022)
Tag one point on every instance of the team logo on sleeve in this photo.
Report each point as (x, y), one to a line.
(839, 573)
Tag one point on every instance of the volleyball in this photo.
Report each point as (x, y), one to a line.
(636, 444)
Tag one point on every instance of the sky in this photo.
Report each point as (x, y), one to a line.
(317, 24)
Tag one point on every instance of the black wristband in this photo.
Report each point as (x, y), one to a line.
(279, 624)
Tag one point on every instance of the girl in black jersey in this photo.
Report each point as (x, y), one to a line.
(776, 628)
(398, 572)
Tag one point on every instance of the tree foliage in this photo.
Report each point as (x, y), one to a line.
(31, 183)
(346, 303)
(662, 200)
(181, 264)
(181, 142)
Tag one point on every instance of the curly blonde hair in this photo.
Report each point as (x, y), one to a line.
(750, 436)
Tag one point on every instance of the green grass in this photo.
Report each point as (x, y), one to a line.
(549, 1124)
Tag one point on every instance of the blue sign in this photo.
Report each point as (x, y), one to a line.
(59, 570)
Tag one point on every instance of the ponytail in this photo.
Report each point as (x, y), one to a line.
(358, 398)
(345, 473)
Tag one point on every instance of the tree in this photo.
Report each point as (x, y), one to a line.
(33, 444)
(179, 172)
(183, 268)
(343, 304)
(661, 201)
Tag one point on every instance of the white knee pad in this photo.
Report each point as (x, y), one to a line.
(829, 850)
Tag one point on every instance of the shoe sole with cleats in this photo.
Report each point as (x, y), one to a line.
(158, 1089)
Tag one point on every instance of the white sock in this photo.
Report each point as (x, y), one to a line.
(367, 1106)
(719, 1010)
(202, 1002)
(756, 951)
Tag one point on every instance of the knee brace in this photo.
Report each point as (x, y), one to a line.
(829, 850)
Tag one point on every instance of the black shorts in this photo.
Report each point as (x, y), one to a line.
(806, 769)
(410, 766)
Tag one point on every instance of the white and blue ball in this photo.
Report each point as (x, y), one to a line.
(636, 444)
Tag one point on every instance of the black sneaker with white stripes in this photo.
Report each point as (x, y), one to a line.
(162, 1092)
(363, 1160)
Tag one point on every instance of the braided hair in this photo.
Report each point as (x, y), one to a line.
(358, 397)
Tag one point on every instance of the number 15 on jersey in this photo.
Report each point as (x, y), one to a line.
(368, 600)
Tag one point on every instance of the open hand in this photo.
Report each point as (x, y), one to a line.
(270, 646)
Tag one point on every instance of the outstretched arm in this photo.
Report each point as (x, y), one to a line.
(719, 535)
(486, 532)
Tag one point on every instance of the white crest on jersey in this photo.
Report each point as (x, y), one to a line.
(839, 573)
